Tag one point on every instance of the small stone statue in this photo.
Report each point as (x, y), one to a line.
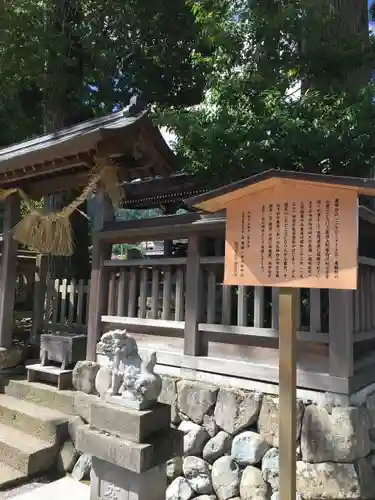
(143, 386)
(116, 375)
(127, 380)
(113, 344)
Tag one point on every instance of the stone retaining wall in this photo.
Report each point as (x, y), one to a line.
(231, 446)
(231, 439)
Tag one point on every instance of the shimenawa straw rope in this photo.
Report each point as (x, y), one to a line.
(51, 232)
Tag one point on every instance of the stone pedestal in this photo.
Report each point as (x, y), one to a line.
(111, 482)
(12, 357)
(50, 374)
(130, 449)
(66, 349)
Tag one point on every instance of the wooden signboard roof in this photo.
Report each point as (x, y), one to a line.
(218, 199)
(64, 160)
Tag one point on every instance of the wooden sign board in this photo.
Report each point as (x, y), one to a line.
(294, 234)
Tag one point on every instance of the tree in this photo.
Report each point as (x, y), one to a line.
(64, 61)
(255, 114)
(158, 48)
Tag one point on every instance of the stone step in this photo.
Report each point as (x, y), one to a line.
(64, 488)
(40, 422)
(41, 394)
(24, 452)
(9, 476)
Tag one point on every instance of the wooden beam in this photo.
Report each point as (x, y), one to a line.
(145, 325)
(103, 212)
(192, 340)
(16, 177)
(341, 333)
(246, 369)
(253, 331)
(8, 270)
(164, 221)
(229, 332)
(163, 262)
(166, 227)
(72, 180)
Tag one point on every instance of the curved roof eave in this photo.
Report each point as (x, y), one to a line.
(68, 141)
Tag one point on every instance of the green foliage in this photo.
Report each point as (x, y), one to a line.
(50, 50)
(220, 73)
(127, 252)
(255, 116)
(124, 214)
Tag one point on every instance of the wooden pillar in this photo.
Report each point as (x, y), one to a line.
(8, 272)
(168, 244)
(168, 248)
(102, 211)
(101, 251)
(192, 341)
(98, 293)
(341, 359)
(40, 286)
(288, 392)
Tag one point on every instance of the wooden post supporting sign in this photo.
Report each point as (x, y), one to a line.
(288, 392)
(289, 230)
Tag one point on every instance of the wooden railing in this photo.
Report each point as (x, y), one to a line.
(66, 306)
(147, 289)
(151, 293)
(363, 305)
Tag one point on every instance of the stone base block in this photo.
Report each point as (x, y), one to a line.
(51, 374)
(111, 481)
(135, 457)
(130, 424)
(82, 404)
(130, 403)
(11, 357)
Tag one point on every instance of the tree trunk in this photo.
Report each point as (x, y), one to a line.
(345, 30)
(351, 22)
(63, 108)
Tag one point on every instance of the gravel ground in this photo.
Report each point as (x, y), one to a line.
(26, 487)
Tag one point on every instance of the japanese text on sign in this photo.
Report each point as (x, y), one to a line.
(298, 240)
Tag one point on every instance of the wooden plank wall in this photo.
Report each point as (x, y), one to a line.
(363, 321)
(66, 306)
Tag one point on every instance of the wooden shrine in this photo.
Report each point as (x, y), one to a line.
(65, 161)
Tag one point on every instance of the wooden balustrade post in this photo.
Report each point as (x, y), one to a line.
(193, 345)
(39, 303)
(341, 359)
(101, 251)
